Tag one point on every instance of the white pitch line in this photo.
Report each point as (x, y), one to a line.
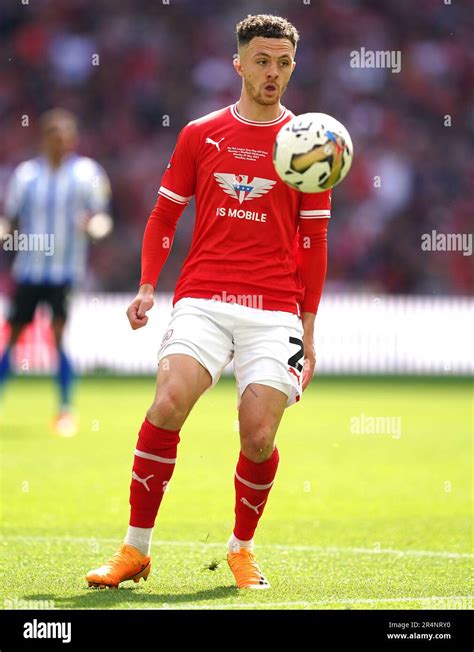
(331, 550)
(372, 551)
(304, 603)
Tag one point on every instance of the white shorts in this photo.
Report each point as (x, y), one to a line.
(266, 345)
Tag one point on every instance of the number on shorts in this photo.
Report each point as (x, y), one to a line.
(293, 360)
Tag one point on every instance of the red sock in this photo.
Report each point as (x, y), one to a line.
(252, 482)
(153, 466)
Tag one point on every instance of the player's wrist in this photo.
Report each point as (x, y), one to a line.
(146, 290)
(308, 319)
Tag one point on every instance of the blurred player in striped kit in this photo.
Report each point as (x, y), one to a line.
(60, 199)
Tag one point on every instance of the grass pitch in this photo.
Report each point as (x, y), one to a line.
(357, 519)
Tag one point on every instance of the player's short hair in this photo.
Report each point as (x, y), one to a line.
(265, 25)
(57, 116)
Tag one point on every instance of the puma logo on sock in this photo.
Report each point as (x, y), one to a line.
(254, 507)
(144, 481)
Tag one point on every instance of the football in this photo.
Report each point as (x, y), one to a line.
(312, 152)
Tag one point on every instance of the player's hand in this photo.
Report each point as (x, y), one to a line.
(309, 361)
(142, 303)
(99, 226)
(4, 226)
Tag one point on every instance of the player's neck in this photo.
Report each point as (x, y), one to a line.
(55, 161)
(250, 110)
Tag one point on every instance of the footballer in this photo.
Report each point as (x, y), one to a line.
(65, 197)
(248, 291)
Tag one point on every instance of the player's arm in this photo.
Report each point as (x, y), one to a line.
(5, 226)
(176, 190)
(13, 202)
(97, 221)
(157, 242)
(312, 265)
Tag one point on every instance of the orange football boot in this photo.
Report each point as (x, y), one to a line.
(127, 564)
(246, 570)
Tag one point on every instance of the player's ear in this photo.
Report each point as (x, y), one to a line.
(293, 65)
(237, 65)
(294, 61)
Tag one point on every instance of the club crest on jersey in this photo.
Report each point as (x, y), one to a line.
(166, 337)
(239, 186)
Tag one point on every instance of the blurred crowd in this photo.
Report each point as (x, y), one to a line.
(135, 71)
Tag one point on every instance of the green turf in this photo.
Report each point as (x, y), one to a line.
(354, 521)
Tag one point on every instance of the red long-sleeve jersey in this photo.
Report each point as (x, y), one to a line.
(253, 235)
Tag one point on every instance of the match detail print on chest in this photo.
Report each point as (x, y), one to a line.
(235, 163)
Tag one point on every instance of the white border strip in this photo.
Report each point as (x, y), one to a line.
(255, 123)
(389, 335)
(321, 212)
(155, 458)
(169, 194)
(252, 485)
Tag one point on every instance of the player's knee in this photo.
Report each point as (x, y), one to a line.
(167, 410)
(257, 444)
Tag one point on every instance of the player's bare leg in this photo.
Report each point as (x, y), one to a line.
(5, 359)
(260, 413)
(180, 382)
(65, 423)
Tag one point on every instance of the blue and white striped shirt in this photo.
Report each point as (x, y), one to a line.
(54, 201)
